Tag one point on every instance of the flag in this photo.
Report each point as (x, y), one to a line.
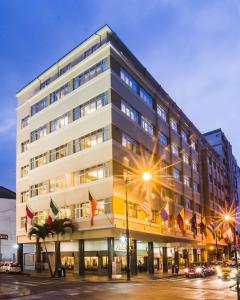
(211, 228)
(228, 236)
(193, 223)
(219, 233)
(53, 212)
(202, 226)
(29, 213)
(180, 219)
(93, 204)
(165, 213)
(146, 207)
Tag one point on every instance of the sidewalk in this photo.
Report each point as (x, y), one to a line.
(104, 278)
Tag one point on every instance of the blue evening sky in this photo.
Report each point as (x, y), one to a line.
(191, 47)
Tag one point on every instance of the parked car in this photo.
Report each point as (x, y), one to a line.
(10, 268)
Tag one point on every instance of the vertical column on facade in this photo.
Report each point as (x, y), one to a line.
(150, 258)
(165, 259)
(134, 258)
(194, 255)
(20, 255)
(81, 258)
(110, 242)
(176, 258)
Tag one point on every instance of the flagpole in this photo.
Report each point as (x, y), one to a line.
(216, 247)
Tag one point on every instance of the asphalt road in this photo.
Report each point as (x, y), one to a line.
(172, 288)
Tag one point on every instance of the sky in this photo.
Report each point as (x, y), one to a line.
(192, 48)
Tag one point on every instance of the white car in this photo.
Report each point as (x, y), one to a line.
(10, 268)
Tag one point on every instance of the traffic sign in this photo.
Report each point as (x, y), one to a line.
(3, 236)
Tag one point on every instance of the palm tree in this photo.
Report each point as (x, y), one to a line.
(41, 232)
(60, 227)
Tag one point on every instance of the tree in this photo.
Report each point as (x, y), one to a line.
(41, 232)
(60, 227)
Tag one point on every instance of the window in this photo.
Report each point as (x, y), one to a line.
(194, 165)
(133, 210)
(24, 171)
(76, 113)
(146, 97)
(184, 136)
(186, 180)
(59, 93)
(129, 143)
(83, 210)
(129, 80)
(186, 158)
(193, 145)
(175, 150)
(188, 203)
(92, 174)
(129, 111)
(90, 73)
(176, 174)
(60, 122)
(59, 152)
(162, 112)
(173, 124)
(24, 146)
(39, 161)
(25, 121)
(58, 183)
(45, 83)
(146, 125)
(37, 107)
(163, 139)
(24, 196)
(39, 189)
(91, 140)
(195, 187)
(93, 105)
(38, 133)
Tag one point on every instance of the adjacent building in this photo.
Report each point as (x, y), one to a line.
(83, 125)
(8, 245)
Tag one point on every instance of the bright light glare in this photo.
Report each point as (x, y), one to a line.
(227, 217)
(198, 270)
(122, 238)
(15, 246)
(147, 176)
(186, 270)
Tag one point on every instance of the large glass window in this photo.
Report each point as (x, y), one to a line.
(146, 97)
(39, 106)
(59, 93)
(185, 158)
(129, 111)
(24, 171)
(176, 174)
(184, 136)
(193, 145)
(146, 125)
(25, 121)
(38, 133)
(39, 160)
(58, 183)
(93, 105)
(129, 143)
(39, 189)
(90, 73)
(186, 180)
(24, 146)
(59, 152)
(24, 196)
(175, 149)
(194, 166)
(60, 122)
(129, 80)
(92, 174)
(195, 187)
(91, 140)
(162, 112)
(173, 124)
(163, 139)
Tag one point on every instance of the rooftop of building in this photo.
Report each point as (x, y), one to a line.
(218, 130)
(6, 193)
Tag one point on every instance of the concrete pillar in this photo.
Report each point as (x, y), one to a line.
(134, 258)
(20, 255)
(203, 255)
(165, 260)
(176, 257)
(110, 242)
(194, 255)
(81, 258)
(150, 258)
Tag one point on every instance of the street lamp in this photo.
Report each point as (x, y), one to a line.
(228, 218)
(146, 176)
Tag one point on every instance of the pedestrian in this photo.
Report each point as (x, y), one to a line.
(63, 271)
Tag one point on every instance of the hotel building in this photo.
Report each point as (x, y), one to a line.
(92, 118)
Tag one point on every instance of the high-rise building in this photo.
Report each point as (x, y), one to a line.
(93, 123)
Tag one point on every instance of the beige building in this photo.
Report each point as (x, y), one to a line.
(93, 116)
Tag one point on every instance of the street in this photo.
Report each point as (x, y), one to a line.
(170, 288)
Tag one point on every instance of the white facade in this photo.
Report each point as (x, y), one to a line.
(8, 226)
